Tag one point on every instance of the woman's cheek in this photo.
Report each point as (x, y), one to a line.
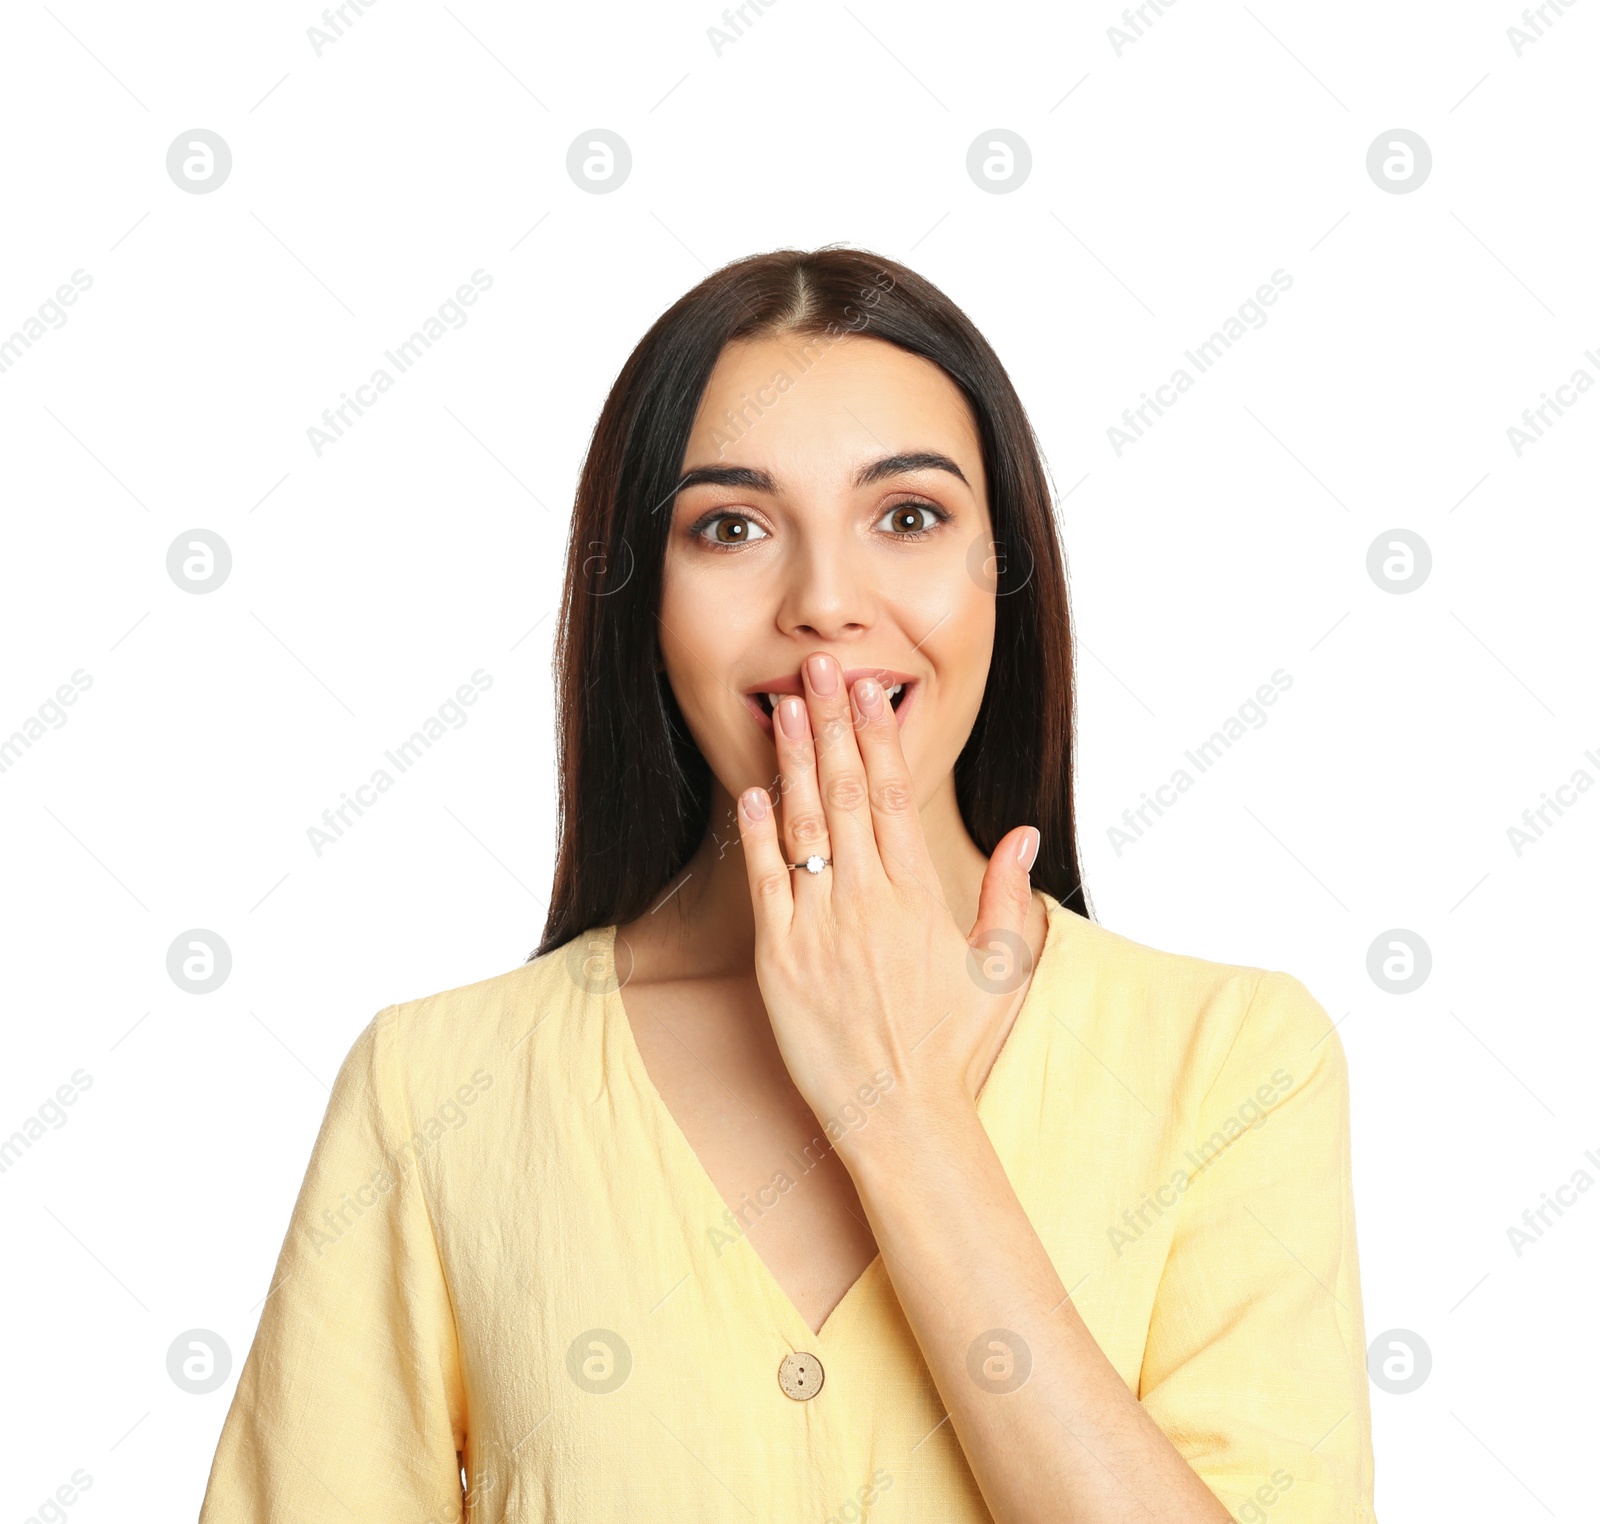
(720, 725)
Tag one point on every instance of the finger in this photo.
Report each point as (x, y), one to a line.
(771, 893)
(1005, 899)
(891, 793)
(805, 827)
(841, 774)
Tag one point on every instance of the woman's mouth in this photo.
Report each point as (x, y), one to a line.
(769, 701)
(763, 702)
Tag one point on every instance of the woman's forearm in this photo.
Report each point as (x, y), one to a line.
(1049, 1428)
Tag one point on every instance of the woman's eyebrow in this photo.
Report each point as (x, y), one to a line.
(915, 460)
(746, 477)
(752, 480)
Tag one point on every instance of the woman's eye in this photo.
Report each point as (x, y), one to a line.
(909, 518)
(731, 529)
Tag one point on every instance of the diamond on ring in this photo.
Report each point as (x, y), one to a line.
(813, 864)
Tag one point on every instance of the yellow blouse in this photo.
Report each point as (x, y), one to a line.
(508, 1274)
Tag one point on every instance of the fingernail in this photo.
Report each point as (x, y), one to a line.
(824, 675)
(792, 716)
(755, 803)
(1029, 850)
(869, 697)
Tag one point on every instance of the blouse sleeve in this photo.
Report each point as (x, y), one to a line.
(1255, 1365)
(350, 1405)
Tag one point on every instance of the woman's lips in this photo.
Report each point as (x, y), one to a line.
(790, 686)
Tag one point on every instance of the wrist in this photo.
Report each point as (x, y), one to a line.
(909, 1120)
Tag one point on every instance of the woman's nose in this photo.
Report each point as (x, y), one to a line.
(828, 597)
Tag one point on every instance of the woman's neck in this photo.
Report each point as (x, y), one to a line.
(702, 925)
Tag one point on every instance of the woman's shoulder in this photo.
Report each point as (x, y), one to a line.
(496, 1014)
(1209, 1009)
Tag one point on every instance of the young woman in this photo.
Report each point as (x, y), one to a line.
(826, 1162)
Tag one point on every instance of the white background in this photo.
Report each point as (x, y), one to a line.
(1169, 180)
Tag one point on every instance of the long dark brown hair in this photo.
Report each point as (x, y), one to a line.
(635, 791)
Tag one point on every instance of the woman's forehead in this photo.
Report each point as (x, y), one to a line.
(819, 405)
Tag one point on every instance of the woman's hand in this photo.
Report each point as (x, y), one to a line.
(862, 966)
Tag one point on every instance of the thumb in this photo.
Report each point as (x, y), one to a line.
(1006, 895)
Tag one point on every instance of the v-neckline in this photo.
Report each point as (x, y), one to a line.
(801, 1333)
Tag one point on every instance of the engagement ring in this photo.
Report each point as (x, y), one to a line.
(812, 864)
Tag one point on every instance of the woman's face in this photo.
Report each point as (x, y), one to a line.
(839, 508)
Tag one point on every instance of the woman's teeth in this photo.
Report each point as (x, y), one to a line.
(772, 699)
